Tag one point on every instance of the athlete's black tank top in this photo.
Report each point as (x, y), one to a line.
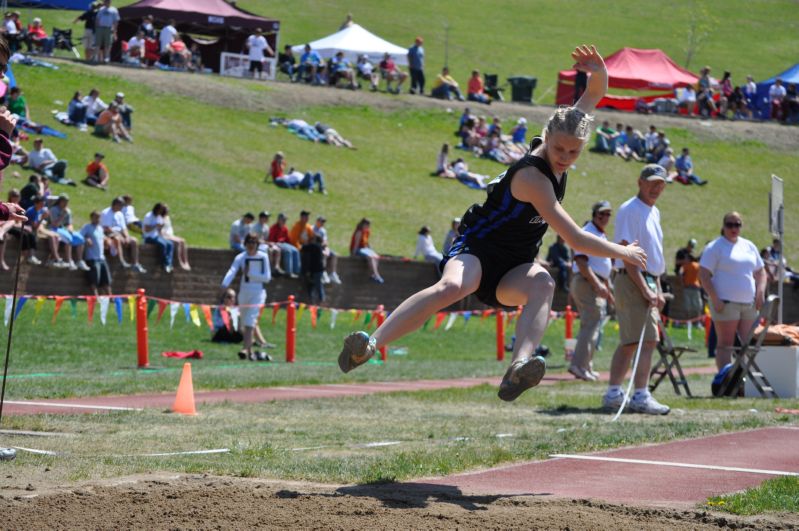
(504, 222)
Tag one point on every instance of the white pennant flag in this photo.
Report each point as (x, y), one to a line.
(103, 308)
(173, 311)
(450, 321)
(690, 329)
(333, 315)
(7, 315)
(234, 317)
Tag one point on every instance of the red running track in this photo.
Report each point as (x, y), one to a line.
(768, 449)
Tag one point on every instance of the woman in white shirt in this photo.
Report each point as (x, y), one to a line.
(182, 250)
(731, 272)
(426, 248)
(152, 227)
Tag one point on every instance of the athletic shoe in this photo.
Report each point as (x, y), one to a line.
(168, 269)
(58, 264)
(83, 266)
(334, 278)
(378, 279)
(358, 348)
(649, 406)
(325, 278)
(581, 374)
(7, 454)
(71, 265)
(137, 268)
(242, 354)
(521, 376)
(34, 261)
(612, 402)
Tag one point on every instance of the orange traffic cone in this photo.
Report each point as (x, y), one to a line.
(184, 401)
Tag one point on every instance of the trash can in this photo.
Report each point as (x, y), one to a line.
(522, 88)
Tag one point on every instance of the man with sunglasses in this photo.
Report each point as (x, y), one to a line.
(638, 294)
(591, 291)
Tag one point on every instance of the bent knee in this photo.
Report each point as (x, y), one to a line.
(542, 282)
(454, 290)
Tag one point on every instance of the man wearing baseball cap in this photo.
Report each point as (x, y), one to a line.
(638, 294)
(591, 290)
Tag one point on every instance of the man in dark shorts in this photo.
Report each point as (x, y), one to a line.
(99, 274)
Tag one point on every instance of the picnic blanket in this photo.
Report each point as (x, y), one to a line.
(38, 129)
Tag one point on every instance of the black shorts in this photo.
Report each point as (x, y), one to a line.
(99, 274)
(256, 65)
(494, 261)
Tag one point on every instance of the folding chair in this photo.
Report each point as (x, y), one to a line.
(491, 87)
(744, 355)
(63, 39)
(668, 363)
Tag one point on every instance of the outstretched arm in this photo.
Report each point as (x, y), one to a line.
(588, 60)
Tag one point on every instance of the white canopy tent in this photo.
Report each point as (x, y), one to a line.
(354, 41)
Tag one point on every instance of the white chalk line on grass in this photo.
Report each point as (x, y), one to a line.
(72, 406)
(162, 454)
(680, 465)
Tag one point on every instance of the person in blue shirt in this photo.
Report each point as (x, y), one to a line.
(99, 274)
(36, 214)
(519, 132)
(416, 65)
(310, 66)
(685, 169)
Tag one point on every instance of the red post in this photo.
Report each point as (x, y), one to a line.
(291, 330)
(500, 335)
(569, 321)
(708, 324)
(141, 330)
(380, 315)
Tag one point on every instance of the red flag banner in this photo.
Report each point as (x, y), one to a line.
(440, 316)
(161, 309)
(314, 311)
(58, 302)
(90, 302)
(225, 317)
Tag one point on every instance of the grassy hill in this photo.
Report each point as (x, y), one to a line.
(203, 143)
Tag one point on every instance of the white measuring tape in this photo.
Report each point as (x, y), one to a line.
(632, 377)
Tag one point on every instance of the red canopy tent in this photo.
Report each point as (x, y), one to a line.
(632, 69)
(222, 26)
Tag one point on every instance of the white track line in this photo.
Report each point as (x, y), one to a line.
(681, 465)
(165, 454)
(73, 406)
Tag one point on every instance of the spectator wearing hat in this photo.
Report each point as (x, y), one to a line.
(44, 161)
(416, 66)
(109, 123)
(261, 229)
(366, 70)
(239, 229)
(60, 221)
(445, 87)
(105, 30)
(638, 294)
(125, 110)
(99, 274)
(301, 232)
(153, 230)
(591, 291)
(475, 91)
(97, 173)
(116, 232)
(451, 235)
(331, 258)
(38, 38)
(518, 133)
(279, 234)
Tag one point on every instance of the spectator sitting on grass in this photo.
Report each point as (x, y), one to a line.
(179, 54)
(109, 123)
(294, 179)
(359, 246)
(313, 268)
(36, 215)
(99, 274)
(44, 161)
(443, 168)
(331, 258)
(239, 229)
(116, 231)
(22, 231)
(18, 105)
(76, 111)
(279, 234)
(261, 229)
(136, 49)
(519, 132)
(97, 173)
(392, 74)
(685, 169)
(426, 248)
(366, 70)
(129, 211)
(94, 106)
(152, 228)
(629, 144)
(475, 91)
(223, 334)
(445, 87)
(462, 173)
(668, 162)
(60, 221)
(181, 247)
(125, 110)
(331, 136)
(605, 141)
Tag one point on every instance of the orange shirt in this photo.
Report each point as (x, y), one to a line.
(475, 85)
(106, 117)
(361, 243)
(300, 234)
(94, 167)
(690, 274)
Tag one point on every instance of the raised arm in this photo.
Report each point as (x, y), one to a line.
(588, 60)
(532, 186)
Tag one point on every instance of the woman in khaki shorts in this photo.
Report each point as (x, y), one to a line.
(731, 272)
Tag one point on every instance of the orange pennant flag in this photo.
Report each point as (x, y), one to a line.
(207, 313)
(440, 316)
(90, 302)
(275, 309)
(314, 311)
(161, 309)
(225, 316)
(358, 314)
(58, 302)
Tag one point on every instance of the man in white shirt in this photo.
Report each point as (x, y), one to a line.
(590, 289)
(167, 35)
(687, 99)
(94, 106)
(136, 48)
(638, 294)
(44, 161)
(239, 230)
(776, 93)
(116, 231)
(105, 30)
(257, 49)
